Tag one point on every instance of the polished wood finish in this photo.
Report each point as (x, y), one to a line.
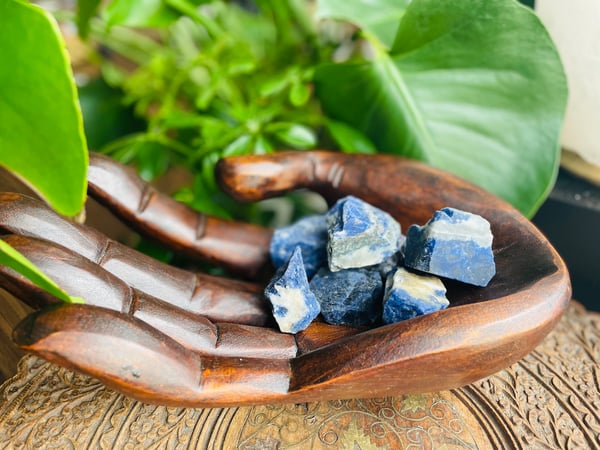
(217, 298)
(153, 357)
(238, 247)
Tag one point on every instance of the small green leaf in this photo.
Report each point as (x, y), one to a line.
(240, 146)
(139, 13)
(380, 18)
(41, 127)
(205, 97)
(295, 135)
(350, 139)
(299, 94)
(202, 197)
(475, 87)
(15, 260)
(207, 179)
(273, 86)
(262, 146)
(152, 159)
(86, 9)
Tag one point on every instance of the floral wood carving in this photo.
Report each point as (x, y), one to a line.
(549, 400)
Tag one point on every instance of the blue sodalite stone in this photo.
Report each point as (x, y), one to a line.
(349, 297)
(360, 234)
(294, 305)
(310, 234)
(408, 295)
(453, 244)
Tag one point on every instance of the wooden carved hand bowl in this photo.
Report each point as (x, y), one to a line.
(164, 335)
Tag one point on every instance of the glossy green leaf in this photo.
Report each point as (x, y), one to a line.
(239, 146)
(12, 258)
(295, 135)
(380, 18)
(41, 128)
(475, 87)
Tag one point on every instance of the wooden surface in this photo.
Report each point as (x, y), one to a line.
(131, 336)
(548, 400)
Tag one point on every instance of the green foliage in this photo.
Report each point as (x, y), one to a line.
(474, 87)
(220, 80)
(41, 129)
(380, 20)
(471, 86)
(12, 258)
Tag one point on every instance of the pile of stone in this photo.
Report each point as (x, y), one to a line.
(363, 271)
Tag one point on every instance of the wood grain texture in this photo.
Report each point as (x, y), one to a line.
(484, 330)
(547, 400)
(239, 247)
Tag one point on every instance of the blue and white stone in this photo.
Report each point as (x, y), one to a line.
(360, 234)
(453, 244)
(294, 305)
(349, 297)
(409, 295)
(310, 234)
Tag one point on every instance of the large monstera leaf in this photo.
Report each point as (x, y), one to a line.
(475, 87)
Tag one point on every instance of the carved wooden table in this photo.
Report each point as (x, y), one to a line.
(549, 400)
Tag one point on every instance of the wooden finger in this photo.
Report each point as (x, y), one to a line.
(239, 247)
(132, 357)
(407, 189)
(219, 299)
(82, 278)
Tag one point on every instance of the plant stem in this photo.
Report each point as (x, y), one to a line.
(185, 8)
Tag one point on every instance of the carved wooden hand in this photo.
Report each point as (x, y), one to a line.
(164, 335)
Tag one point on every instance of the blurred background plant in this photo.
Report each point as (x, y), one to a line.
(214, 80)
(473, 87)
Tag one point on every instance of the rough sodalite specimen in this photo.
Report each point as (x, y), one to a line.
(349, 297)
(408, 295)
(294, 305)
(453, 244)
(359, 234)
(310, 234)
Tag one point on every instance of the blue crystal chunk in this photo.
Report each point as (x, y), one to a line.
(294, 305)
(453, 244)
(310, 234)
(349, 297)
(360, 234)
(408, 295)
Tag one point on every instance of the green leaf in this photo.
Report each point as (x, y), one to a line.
(152, 159)
(86, 9)
(350, 139)
(299, 94)
(475, 87)
(380, 18)
(139, 13)
(12, 258)
(262, 145)
(240, 146)
(293, 134)
(41, 128)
